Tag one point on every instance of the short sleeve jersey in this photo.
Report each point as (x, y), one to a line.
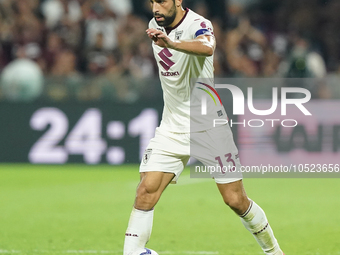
(186, 79)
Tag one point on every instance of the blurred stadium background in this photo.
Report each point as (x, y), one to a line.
(91, 51)
(79, 85)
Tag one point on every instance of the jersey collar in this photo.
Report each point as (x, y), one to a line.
(169, 29)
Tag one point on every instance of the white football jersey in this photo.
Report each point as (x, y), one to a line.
(190, 101)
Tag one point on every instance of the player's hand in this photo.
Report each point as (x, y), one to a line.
(160, 38)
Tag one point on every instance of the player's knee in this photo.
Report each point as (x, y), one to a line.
(149, 187)
(236, 202)
(144, 190)
(147, 196)
(232, 201)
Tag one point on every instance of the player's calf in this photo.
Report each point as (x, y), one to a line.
(252, 216)
(149, 190)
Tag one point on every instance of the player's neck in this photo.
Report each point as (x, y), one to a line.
(179, 17)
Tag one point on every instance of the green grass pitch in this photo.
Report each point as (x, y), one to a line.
(78, 209)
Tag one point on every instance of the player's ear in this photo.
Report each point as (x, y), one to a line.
(178, 3)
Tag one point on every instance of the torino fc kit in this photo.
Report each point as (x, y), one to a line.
(190, 106)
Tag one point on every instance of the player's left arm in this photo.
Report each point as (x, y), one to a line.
(202, 45)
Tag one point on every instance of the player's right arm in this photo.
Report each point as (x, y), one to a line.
(203, 45)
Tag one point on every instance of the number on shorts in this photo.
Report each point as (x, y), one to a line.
(228, 159)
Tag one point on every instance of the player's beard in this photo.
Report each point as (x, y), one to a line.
(168, 19)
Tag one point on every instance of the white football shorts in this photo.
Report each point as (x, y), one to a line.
(169, 152)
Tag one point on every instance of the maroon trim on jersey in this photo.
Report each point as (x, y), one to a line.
(169, 29)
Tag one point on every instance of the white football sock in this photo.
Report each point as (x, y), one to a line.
(138, 231)
(255, 220)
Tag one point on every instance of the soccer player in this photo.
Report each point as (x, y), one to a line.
(183, 45)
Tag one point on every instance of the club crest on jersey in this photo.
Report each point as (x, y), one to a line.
(178, 34)
(203, 25)
(147, 155)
